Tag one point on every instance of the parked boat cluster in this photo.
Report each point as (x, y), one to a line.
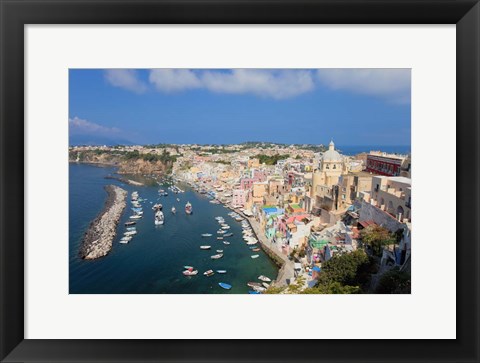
(157, 207)
(250, 240)
(130, 226)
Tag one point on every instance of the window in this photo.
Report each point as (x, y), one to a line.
(334, 166)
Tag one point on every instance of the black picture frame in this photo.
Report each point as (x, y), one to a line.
(15, 14)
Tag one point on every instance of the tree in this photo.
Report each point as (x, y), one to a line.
(376, 237)
(394, 282)
(333, 287)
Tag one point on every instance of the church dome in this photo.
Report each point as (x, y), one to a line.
(331, 154)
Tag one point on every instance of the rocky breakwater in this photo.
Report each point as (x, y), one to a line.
(98, 239)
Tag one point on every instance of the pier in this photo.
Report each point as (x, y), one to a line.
(98, 239)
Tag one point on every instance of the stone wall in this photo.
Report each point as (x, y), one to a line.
(369, 212)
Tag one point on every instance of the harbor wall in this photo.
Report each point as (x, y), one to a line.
(97, 241)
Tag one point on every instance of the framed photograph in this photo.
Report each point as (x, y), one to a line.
(175, 158)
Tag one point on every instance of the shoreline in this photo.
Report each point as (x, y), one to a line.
(98, 239)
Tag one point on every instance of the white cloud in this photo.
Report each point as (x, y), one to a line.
(392, 84)
(126, 79)
(277, 84)
(80, 126)
(174, 80)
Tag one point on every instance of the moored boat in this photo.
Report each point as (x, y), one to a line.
(254, 256)
(216, 257)
(224, 285)
(206, 235)
(174, 210)
(188, 208)
(205, 247)
(159, 218)
(209, 273)
(264, 278)
(190, 272)
(221, 271)
(226, 242)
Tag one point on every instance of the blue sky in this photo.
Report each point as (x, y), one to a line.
(352, 106)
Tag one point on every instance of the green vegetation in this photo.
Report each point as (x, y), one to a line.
(394, 282)
(377, 237)
(348, 273)
(223, 162)
(270, 159)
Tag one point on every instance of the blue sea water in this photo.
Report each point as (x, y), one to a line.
(354, 150)
(152, 263)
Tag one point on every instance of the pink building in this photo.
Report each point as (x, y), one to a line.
(247, 183)
(239, 197)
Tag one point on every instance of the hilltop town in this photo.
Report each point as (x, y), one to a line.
(336, 223)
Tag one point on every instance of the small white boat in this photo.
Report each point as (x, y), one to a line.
(130, 233)
(159, 218)
(254, 256)
(221, 271)
(190, 272)
(219, 237)
(205, 247)
(226, 242)
(178, 199)
(219, 251)
(135, 217)
(259, 288)
(188, 208)
(209, 273)
(265, 285)
(264, 278)
(206, 235)
(216, 257)
(174, 210)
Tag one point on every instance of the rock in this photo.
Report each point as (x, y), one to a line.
(99, 237)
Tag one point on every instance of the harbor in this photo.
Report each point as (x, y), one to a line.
(154, 259)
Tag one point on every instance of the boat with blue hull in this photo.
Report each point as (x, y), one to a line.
(225, 286)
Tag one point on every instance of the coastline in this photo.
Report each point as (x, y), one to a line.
(286, 271)
(98, 239)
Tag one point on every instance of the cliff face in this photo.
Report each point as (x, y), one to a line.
(125, 166)
(142, 167)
